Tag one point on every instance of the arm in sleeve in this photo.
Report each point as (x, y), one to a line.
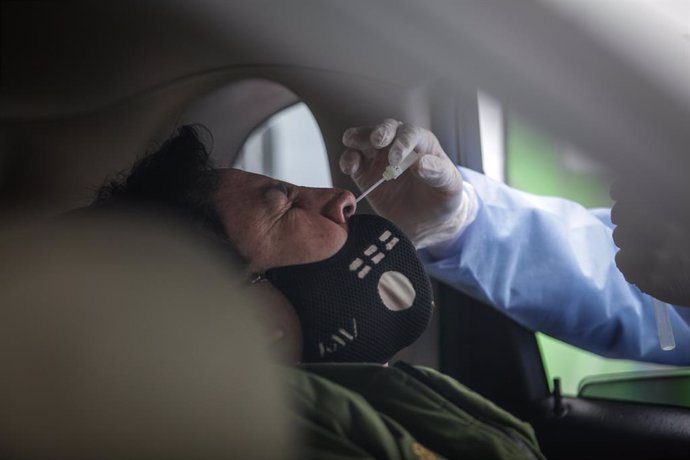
(548, 263)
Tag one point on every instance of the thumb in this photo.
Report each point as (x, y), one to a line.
(438, 173)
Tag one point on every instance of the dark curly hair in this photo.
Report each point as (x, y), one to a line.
(179, 178)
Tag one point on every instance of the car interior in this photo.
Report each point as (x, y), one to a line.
(86, 88)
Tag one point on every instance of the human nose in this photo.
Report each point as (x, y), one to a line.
(341, 206)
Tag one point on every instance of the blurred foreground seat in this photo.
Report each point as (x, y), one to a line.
(129, 340)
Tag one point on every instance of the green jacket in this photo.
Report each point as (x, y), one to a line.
(358, 411)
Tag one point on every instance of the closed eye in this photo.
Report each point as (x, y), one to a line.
(276, 187)
(278, 195)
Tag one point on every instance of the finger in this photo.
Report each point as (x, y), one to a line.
(616, 211)
(350, 162)
(407, 139)
(357, 137)
(627, 238)
(667, 277)
(438, 173)
(629, 213)
(634, 265)
(638, 235)
(383, 134)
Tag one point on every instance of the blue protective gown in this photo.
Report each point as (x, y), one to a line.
(548, 263)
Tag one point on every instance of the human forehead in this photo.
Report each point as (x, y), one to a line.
(232, 178)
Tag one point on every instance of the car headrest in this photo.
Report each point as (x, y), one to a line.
(125, 339)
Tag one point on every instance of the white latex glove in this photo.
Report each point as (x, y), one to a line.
(428, 202)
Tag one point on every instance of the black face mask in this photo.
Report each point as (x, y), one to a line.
(365, 303)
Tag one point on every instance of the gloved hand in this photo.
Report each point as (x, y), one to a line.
(654, 248)
(428, 202)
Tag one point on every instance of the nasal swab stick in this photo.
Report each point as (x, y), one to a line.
(392, 172)
(370, 189)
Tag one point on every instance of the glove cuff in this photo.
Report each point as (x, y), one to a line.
(448, 230)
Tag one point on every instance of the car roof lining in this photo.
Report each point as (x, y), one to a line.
(348, 66)
(255, 99)
(135, 125)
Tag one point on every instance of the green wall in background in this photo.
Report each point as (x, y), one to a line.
(535, 164)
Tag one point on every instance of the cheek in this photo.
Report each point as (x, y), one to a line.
(299, 246)
(250, 243)
(275, 250)
(319, 243)
(297, 238)
(264, 254)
